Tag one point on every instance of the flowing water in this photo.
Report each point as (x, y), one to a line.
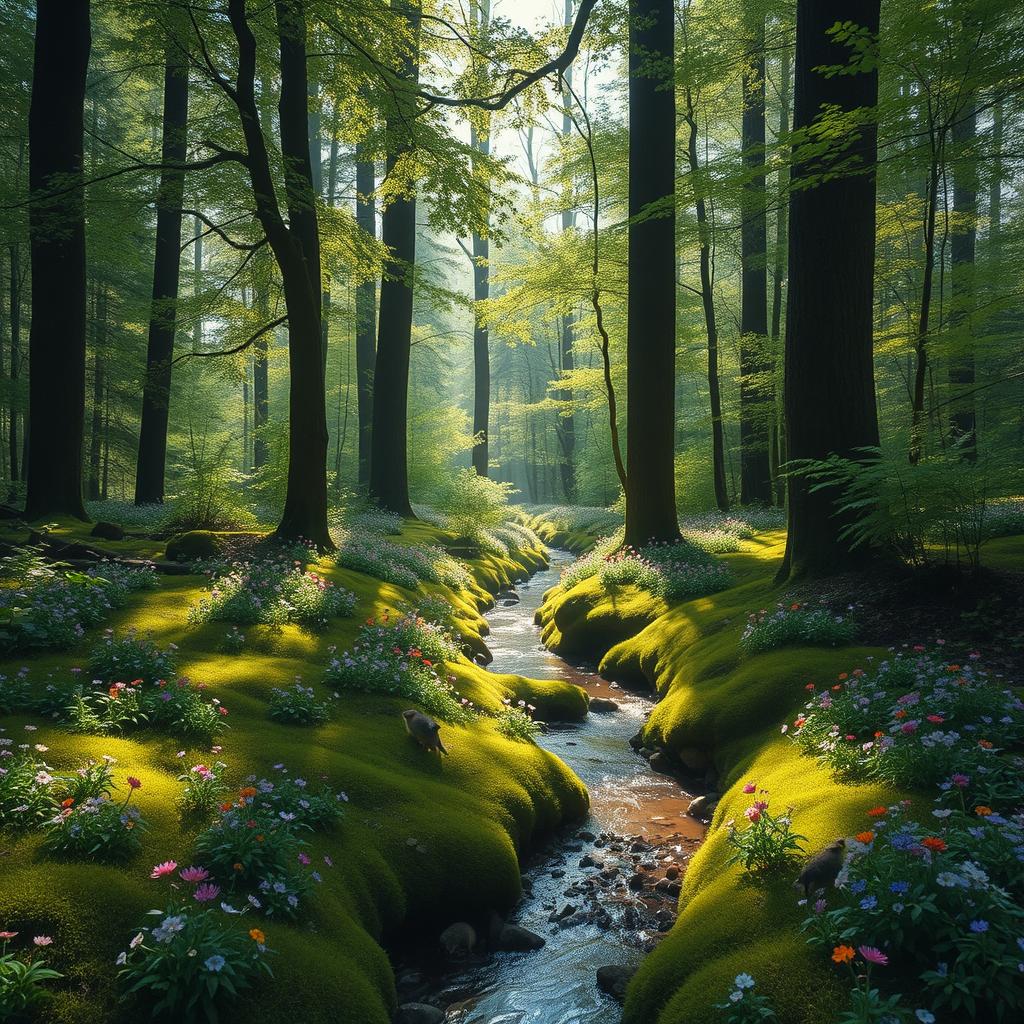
(637, 825)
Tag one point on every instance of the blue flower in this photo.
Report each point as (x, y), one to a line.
(744, 981)
(214, 963)
(899, 887)
(868, 903)
(979, 926)
(858, 887)
(902, 841)
(925, 1016)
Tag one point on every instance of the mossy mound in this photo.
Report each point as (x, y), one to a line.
(424, 842)
(728, 708)
(194, 546)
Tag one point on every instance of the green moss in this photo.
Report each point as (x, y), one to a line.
(473, 812)
(194, 545)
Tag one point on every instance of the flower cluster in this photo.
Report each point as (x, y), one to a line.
(298, 705)
(796, 623)
(27, 793)
(915, 720)
(515, 721)
(272, 592)
(938, 904)
(21, 980)
(43, 605)
(402, 564)
(401, 656)
(768, 841)
(744, 1005)
(130, 656)
(203, 788)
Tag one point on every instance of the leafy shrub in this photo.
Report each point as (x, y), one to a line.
(915, 721)
(45, 605)
(233, 642)
(203, 789)
(796, 624)
(27, 791)
(97, 828)
(516, 722)
(401, 656)
(192, 962)
(298, 706)
(768, 842)
(15, 692)
(472, 504)
(130, 657)
(21, 980)
(938, 905)
(272, 592)
(1004, 517)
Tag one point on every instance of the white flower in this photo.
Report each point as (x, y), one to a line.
(122, 958)
(744, 981)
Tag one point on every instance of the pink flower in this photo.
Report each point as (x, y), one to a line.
(750, 787)
(5, 936)
(42, 940)
(193, 875)
(134, 783)
(304, 858)
(760, 805)
(206, 892)
(937, 719)
(166, 868)
(908, 727)
(752, 814)
(872, 955)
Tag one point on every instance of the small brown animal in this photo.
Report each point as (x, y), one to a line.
(424, 730)
(821, 870)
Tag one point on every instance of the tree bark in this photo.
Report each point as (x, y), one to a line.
(651, 307)
(260, 375)
(57, 242)
(481, 346)
(15, 311)
(389, 471)
(99, 391)
(963, 421)
(366, 315)
(152, 460)
(829, 376)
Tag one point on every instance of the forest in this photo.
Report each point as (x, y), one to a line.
(512, 511)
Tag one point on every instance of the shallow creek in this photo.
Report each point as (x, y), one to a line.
(591, 893)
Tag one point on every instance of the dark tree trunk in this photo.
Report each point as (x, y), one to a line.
(389, 471)
(651, 310)
(99, 391)
(152, 461)
(755, 473)
(15, 284)
(481, 346)
(924, 314)
(366, 316)
(260, 377)
(963, 421)
(829, 388)
(296, 250)
(779, 273)
(707, 295)
(57, 238)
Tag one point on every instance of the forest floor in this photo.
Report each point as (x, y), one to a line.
(722, 714)
(423, 842)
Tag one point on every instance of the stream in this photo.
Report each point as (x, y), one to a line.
(600, 892)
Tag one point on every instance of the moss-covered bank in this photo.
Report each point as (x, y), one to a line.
(472, 813)
(720, 707)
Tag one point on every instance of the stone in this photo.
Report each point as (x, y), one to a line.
(636, 741)
(558, 873)
(637, 881)
(587, 837)
(515, 938)
(646, 753)
(107, 531)
(602, 705)
(696, 761)
(701, 808)
(588, 861)
(612, 979)
(668, 886)
(661, 764)
(672, 872)
(419, 1013)
(458, 939)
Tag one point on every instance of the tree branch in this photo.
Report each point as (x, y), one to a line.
(238, 348)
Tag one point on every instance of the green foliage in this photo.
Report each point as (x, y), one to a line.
(796, 624)
(21, 981)
(744, 1006)
(767, 842)
(203, 789)
(97, 828)
(297, 706)
(515, 722)
(128, 657)
(472, 505)
(27, 793)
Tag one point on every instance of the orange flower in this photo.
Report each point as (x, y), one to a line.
(247, 792)
(879, 734)
(865, 837)
(982, 811)
(952, 668)
(227, 806)
(114, 692)
(67, 803)
(237, 866)
(934, 843)
(257, 936)
(844, 675)
(795, 606)
(259, 839)
(985, 744)
(877, 812)
(843, 954)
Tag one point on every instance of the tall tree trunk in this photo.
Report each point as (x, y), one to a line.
(755, 473)
(15, 285)
(389, 471)
(707, 295)
(651, 308)
(260, 375)
(316, 143)
(197, 282)
(481, 347)
(366, 315)
(99, 391)
(779, 272)
(963, 421)
(152, 461)
(829, 389)
(57, 239)
(567, 420)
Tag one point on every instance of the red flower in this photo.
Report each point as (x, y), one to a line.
(934, 843)
(134, 783)
(877, 812)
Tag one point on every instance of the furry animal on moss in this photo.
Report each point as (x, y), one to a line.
(424, 730)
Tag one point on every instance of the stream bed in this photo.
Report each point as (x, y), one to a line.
(600, 892)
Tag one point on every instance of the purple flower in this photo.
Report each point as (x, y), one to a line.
(206, 892)
(872, 955)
